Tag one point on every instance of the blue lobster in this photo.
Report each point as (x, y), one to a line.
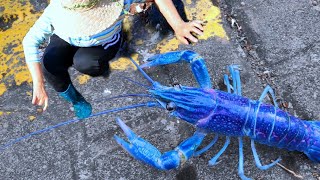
(221, 113)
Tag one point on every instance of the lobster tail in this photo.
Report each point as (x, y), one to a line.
(313, 151)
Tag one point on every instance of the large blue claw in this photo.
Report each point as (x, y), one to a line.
(146, 152)
(138, 147)
(170, 58)
(129, 133)
(197, 64)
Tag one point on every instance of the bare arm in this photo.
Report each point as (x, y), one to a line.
(35, 36)
(40, 96)
(182, 29)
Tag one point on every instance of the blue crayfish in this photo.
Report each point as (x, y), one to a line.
(211, 111)
(221, 113)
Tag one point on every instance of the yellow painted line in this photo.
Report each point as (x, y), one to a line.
(188, 1)
(31, 118)
(3, 88)
(83, 79)
(13, 70)
(167, 45)
(2, 113)
(124, 62)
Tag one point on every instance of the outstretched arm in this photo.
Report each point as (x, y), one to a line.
(181, 28)
(37, 34)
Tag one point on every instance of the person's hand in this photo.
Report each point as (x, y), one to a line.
(40, 96)
(186, 32)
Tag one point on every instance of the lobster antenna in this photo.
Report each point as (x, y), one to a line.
(135, 82)
(10, 143)
(143, 73)
(125, 95)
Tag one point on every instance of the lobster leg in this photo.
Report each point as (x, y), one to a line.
(240, 167)
(257, 160)
(236, 86)
(146, 152)
(197, 64)
(266, 90)
(198, 153)
(215, 158)
(235, 76)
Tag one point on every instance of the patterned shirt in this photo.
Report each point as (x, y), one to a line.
(42, 30)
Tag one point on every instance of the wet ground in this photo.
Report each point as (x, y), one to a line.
(276, 43)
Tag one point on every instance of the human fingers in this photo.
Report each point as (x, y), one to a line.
(40, 102)
(45, 104)
(34, 99)
(192, 38)
(35, 95)
(198, 24)
(196, 30)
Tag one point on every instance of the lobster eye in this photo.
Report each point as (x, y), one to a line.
(177, 86)
(171, 106)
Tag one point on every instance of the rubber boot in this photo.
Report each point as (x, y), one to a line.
(81, 107)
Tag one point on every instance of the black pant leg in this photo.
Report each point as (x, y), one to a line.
(56, 60)
(94, 61)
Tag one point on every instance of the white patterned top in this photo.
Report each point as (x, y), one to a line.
(43, 29)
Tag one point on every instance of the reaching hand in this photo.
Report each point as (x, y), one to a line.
(186, 31)
(40, 96)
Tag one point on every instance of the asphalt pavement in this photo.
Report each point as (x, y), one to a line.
(276, 43)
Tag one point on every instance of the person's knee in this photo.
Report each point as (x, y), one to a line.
(91, 68)
(57, 56)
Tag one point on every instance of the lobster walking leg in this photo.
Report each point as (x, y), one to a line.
(197, 64)
(257, 160)
(268, 89)
(199, 152)
(213, 161)
(234, 70)
(235, 75)
(240, 167)
(236, 87)
(146, 152)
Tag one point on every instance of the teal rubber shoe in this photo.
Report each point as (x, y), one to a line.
(82, 108)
